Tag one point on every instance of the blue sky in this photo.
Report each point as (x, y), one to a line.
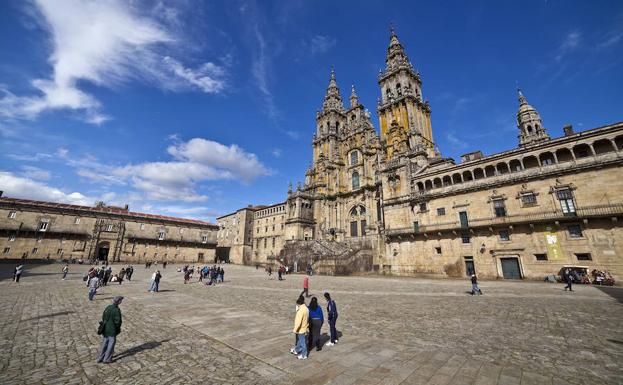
(196, 109)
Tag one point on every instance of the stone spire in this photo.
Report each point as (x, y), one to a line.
(333, 99)
(529, 123)
(354, 99)
(396, 57)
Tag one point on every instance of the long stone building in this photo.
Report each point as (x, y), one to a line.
(392, 203)
(46, 230)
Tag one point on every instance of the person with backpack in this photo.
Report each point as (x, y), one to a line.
(110, 327)
(332, 317)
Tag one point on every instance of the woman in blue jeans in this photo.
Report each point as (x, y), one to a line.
(332, 316)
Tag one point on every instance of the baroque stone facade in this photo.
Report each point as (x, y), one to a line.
(45, 230)
(522, 213)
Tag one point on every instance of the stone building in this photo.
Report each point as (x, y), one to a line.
(46, 230)
(392, 198)
(268, 232)
(235, 236)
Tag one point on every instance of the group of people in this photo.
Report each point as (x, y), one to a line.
(101, 276)
(148, 264)
(308, 323)
(211, 275)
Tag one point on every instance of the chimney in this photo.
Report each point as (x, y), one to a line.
(568, 130)
(1, 193)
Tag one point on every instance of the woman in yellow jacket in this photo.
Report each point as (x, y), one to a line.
(301, 325)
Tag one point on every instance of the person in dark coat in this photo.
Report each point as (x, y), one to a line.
(112, 327)
(316, 319)
(568, 279)
(332, 317)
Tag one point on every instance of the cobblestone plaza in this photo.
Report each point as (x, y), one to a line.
(393, 331)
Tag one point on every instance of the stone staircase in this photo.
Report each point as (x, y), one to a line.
(329, 257)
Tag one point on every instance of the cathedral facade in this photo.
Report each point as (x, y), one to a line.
(389, 196)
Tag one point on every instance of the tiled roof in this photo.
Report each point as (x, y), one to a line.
(103, 209)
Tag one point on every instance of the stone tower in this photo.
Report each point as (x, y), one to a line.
(404, 115)
(529, 123)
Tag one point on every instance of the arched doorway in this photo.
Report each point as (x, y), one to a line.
(103, 249)
(358, 221)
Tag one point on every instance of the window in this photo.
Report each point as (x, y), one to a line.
(161, 235)
(353, 228)
(465, 238)
(59, 251)
(11, 238)
(258, 230)
(504, 236)
(463, 219)
(273, 242)
(438, 249)
(109, 227)
(204, 239)
(7, 250)
(583, 257)
(416, 226)
(422, 206)
(39, 239)
(181, 231)
(540, 257)
(441, 211)
(469, 266)
(499, 208)
(363, 227)
(142, 226)
(565, 197)
(547, 162)
(43, 225)
(77, 221)
(12, 214)
(273, 227)
(35, 250)
(355, 180)
(265, 242)
(528, 199)
(575, 231)
(354, 158)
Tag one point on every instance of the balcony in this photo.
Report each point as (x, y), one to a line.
(608, 210)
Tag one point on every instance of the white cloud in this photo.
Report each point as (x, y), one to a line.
(35, 173)
(320, 44)
(105, 43)
(569, 44)
(195, 161)
(26, 188)
(455, 142)
(276, 152)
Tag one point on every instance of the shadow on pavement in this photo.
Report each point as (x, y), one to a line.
(614, 292)
(139, 348)
(49, 315)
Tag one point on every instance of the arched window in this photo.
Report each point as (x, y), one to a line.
(355, 180)
(398, 89)
(354, 157)
(529, 128)
(358, 221)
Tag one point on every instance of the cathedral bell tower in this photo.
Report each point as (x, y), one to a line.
(529, 123)
(404, 115)
(330, 122)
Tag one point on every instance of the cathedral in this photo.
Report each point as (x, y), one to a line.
(387, 201)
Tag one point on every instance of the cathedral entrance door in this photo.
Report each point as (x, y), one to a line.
(102, 251)
(510, 268)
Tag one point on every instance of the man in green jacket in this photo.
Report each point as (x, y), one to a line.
(112, 326)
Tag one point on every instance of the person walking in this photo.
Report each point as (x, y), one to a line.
(186, 276)
(157, 280)
(65, 271)
(305, 286)
(332, 316)
(280, 272)
(128, 272)
(152, 283)
(301, 326)
(111, 318)
(107, 276)
(316, 321)
(475, 288)
(93, 285)
(222, 275)
(164, 264)
(568, 279)
(18, 273)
